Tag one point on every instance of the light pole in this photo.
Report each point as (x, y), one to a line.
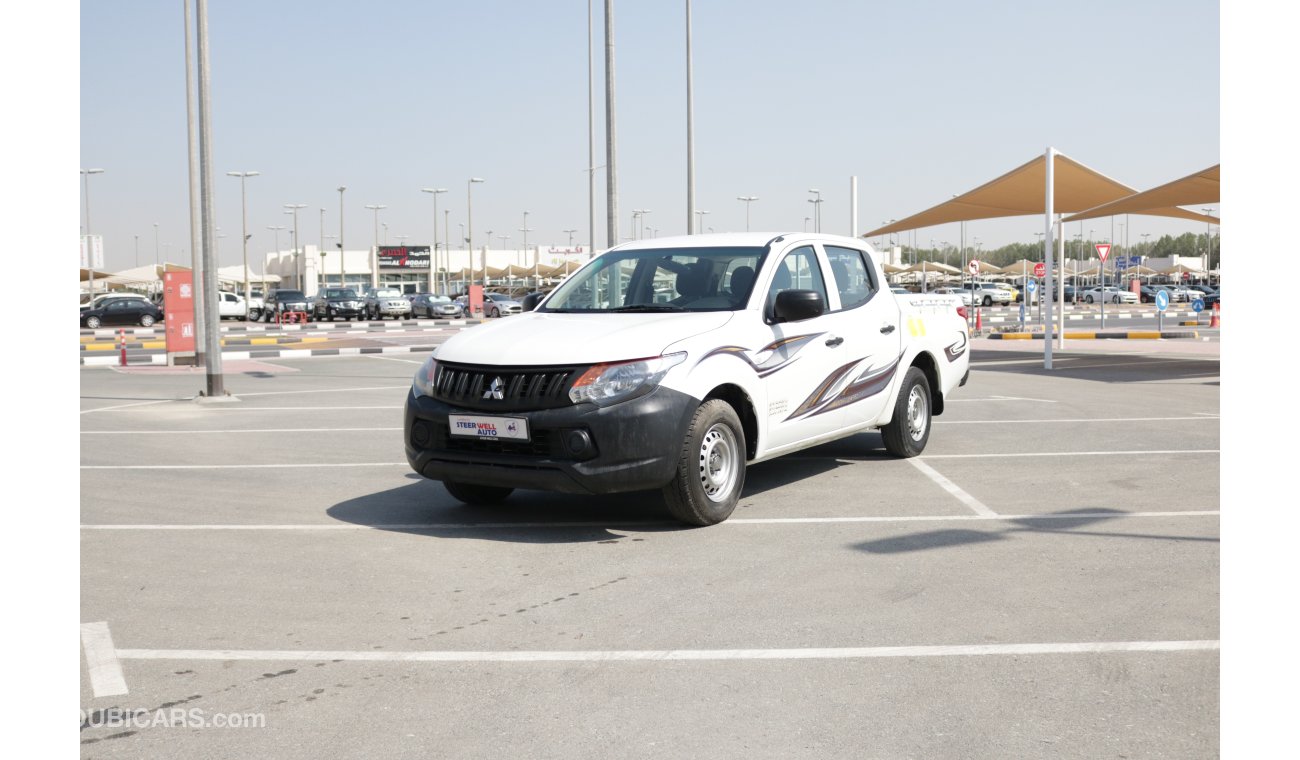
(1205, 267)
(155, 244)
(570, 233)
(699, 219)
(374, 253)
(817, 209)
(469, 224)
(343, 282)
(137, 250)
(446, 246)
(276, 229)
(525, 229)
(323, 281)
(748, 199)
(385, 226)
(806, 219)
(243, 198)
(297, 241)
(434, 191)
(90, 258)
(464, 240)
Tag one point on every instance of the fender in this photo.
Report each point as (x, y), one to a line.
(699, 378)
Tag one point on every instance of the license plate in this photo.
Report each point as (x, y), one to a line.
(476, 426)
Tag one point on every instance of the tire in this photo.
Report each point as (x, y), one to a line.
(474, 494)
(988, 300)
(1089, 299)
(254, 315)
(1117, 300)
(909, 429)
(710, 468)
(147, 320)
(93, 323)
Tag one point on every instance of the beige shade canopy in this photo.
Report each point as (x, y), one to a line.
(1024, 266)
(1201, 187)
(1022, 191)
(892, 268)
(932, 266)
(1182, 269)
(986, 268)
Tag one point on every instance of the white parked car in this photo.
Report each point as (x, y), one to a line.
(1112, 295)
(232, 306)
(769, 345)
(989, 293)
(967, 297)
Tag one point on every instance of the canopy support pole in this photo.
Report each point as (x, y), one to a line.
(1049, 208)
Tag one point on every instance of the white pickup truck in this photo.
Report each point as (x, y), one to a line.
(674, 363)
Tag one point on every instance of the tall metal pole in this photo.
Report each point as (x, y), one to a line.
(90, 258)
(343, 280)
(1049, 209)
(137, 250)
(155, 244)
(611, 134)
(243, 197)
(690, 135)
(446, 249)
(374, 252)
(747, 199)
(299, 268)
(853, 206)
(434, 191)
(469, 226)
(208, 327)
(591, 134)
(196, 213)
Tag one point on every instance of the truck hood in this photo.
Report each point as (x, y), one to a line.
(544, 338)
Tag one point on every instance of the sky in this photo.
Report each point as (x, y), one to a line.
(919, 100)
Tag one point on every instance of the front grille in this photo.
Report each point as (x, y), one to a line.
(522, 388)
(540, 445)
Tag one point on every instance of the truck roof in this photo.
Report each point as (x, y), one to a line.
(739, 239)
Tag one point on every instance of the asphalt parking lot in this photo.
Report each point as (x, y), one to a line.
(1042, 582)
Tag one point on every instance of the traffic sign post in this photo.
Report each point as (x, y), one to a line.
(1198, 306)
(974, 267)
(1103, 250)
(1162, 303)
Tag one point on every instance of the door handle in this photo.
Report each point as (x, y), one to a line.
(887, 329)
(833, 342)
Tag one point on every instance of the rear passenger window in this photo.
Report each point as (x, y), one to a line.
(853, 278)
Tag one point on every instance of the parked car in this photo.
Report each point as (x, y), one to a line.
(1207, 289)
(231, 306)
(1148, 293)
(283, 300)
(1072, 294)
(498, 305)
(1109, 295)
(604, 390)
(337, 303)
(382, 303)
(900, 291)
(121, 311)
(1211, 299)
(432, 306)
(989, 293)
(100, 300)
(967, 297)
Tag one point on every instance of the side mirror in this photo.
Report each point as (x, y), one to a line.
(531, 300)
(798, 305)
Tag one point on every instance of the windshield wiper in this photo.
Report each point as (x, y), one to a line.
(648, 307)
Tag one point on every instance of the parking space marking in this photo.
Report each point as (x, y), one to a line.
(975, 504)
(1004, 398)
(106, 677)
(632, 525)
(327, 390)
(129, 406)
(261, 430)
(1089, 419)
(278, 408)
(237, 466)
(992, 455)
(391, 359)
(662, 655)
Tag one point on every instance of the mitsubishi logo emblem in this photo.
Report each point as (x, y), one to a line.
(495, 390)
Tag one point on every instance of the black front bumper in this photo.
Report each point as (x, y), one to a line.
(631, 446)
(342, 312)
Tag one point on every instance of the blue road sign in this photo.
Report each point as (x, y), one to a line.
(1198, 305)
(1031, 286)
(1162, 300)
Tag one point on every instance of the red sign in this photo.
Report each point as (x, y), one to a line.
(475, 301)
(974, 266)
(1040, 269)
(178, 303)
(1103, 250)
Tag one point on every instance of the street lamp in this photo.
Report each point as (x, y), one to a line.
(699, 221)
(374, 256)
(570, 233)
(817, 209)
(297, 241)
(1205, 267)
(469, 221)
(155, 244)
(137, 250)
(276, 229)
(385, 226)
(434, 191)
(342, 277)
(747, 199)
(806, 219)
(243, 198)
(90, 259)
(525, 229)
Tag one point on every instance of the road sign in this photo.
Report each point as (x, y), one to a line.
(1162, 300)
(1103, 250)
(1040, 269)
(1198, 305)
(1031, 286)
(974, 266)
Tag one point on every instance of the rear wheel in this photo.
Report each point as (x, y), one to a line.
(93, 323)
(476, 494)
(1089, 299)
(710, 467)
(147, 320)
(988, 300)
(909, 429)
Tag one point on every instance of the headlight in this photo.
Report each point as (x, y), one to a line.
(606, 384)
(423, 383)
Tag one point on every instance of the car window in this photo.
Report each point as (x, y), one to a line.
(853, 279)
(797, 271)
(118, 305)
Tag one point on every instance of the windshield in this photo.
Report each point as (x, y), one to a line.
(388, 293)
(285, 295)
(667, 279)
(340, 293)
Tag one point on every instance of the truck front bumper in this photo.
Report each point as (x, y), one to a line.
(585, 449)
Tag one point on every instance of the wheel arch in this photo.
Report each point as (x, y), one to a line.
(739, 400)
(925, 362)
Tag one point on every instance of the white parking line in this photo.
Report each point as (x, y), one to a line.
(1089, 419)
(275, 408)
(975, 504)
(391, 359)
(264, 430)
(237, 466)
(129, 406)
(1071, 454)
(1003, 398)
(328, 390)
(662, 655)
(106, 677)
(633, 525)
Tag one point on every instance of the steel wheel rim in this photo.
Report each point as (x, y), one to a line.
(918, 418)
(719, 467)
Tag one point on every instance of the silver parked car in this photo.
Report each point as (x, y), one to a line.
(497, 305)
(382, 303)
(1111, 295)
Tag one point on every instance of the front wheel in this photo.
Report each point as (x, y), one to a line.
(1089, 299)
(710, 467)
(475, 494)
(988, 300)
(93, 323)
(147, 320)
(254, 315)
(909, 429)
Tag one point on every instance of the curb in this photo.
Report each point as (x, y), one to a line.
(111, 332)
(161, 359)
(249, 341)
(1130, 335)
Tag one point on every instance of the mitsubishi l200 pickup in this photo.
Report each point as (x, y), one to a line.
(675, 363)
